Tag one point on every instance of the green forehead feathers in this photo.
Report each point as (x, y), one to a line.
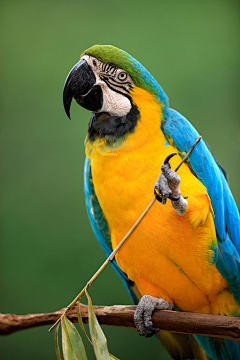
(112, 55)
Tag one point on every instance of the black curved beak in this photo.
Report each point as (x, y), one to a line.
(80, 85)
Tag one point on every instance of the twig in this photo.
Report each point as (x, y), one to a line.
(174, 321)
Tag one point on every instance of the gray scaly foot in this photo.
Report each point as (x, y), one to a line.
(168, 187)
(143, 314)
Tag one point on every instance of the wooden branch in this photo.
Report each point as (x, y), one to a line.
(119, 315)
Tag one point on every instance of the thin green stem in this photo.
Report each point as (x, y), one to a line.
(189, 152)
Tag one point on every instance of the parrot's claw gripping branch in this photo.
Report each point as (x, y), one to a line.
(143, 314)
(111, 256)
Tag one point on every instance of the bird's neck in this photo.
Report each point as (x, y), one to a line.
(146, 130)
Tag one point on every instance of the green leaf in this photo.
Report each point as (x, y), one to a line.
(81, 322)
(57, 349)
(98, 338)
(112, 357)
(72, 344)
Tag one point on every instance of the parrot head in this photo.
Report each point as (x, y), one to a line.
(103, 81)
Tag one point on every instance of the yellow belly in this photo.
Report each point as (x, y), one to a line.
(168, 255)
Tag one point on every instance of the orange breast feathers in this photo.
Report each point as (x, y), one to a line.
(168, 255)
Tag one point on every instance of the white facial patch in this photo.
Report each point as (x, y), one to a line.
(114, 103)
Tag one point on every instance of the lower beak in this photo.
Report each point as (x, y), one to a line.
(80, 85)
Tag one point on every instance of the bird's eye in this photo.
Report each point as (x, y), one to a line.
(122, 76)
(94, 62)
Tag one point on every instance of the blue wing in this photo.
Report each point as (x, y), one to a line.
(100, 225)
(225, 209)
(226, 219)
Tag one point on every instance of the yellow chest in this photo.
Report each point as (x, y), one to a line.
(166, 254)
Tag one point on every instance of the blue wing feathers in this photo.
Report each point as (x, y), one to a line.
(219, 349)
(226, 217)
(208, 172)
(232, 216)
(229, 262)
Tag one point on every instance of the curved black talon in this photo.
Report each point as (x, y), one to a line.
(157, 196)
(152, 330)
(169, 157)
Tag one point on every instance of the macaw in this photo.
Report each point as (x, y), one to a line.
(184, 255)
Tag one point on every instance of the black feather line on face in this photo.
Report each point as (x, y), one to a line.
(118, 88)
(102, 125)
(113, 81)
(124, 92)
(108, 68)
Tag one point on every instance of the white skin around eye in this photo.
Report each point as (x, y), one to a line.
(113, 102)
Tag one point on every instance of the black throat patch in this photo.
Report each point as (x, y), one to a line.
(112, 127)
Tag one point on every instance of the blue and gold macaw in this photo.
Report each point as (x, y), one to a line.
(185, 252)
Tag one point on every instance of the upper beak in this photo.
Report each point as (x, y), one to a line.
(80, 85)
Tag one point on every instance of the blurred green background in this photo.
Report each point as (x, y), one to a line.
(48, 250)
